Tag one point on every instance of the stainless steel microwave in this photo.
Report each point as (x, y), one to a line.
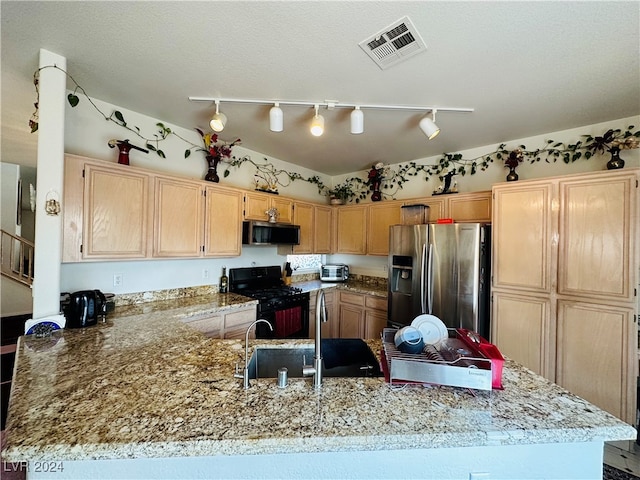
(268, 233)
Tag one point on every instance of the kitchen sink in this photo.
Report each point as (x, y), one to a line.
(341, 357)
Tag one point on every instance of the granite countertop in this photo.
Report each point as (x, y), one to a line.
(144, 384)
(354, 286)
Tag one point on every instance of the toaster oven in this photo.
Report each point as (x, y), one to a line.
(336, 272)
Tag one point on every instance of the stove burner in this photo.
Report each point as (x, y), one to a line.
(270, 293)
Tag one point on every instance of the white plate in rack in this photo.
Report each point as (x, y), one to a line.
(433, 329)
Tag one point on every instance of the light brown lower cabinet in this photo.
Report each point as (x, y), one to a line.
(330, 327)
(361, 315)
(230, 324)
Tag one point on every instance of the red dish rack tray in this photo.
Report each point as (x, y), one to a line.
(464, 360)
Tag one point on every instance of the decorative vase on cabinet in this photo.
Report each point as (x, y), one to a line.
(212, 174)
(616, 162)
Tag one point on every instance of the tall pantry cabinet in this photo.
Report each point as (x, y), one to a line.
(564, 281)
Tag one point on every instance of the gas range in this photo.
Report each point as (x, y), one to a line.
(285, 307)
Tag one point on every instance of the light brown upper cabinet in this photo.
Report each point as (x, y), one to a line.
(114, 212)
(192, 219)
(351, 229)
(106, 212)
(256, 204)
(380, 217)
(469, 207)
(303, 215)
(223, 222)
(177, 218)
(322, 229)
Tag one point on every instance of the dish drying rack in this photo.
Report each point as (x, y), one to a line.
(464, 360)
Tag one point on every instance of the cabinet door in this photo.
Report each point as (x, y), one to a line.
(596, 355)
(210, 325)
(437, 207)
(223, 224)
(351, 321)
(284, 207)
(380, 218)
(597, 237)
(522, 233)
(374, 322)
(116, 206)
(351, 231)
(255, 206)
(522, 330)
(177, 218)
(73, 211)
(236, 323)
(470, 207)
(303, 214)
(322, 229)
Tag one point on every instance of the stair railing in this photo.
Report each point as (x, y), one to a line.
(16, 255)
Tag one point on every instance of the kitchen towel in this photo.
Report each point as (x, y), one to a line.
(288, 322)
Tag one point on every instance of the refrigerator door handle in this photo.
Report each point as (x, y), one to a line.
(430, 284)
(423, 273)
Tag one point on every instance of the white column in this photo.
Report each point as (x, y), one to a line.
(49, 184)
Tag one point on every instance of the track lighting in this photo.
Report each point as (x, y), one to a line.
(427, 123)
(429, 127)
(317, 124)
(357, 121)
(219, 120)
(276, 118)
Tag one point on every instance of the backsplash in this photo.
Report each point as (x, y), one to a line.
(159, 295)
(188, 292)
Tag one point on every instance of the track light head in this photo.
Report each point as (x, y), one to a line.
(428, 126)
(219, 120)
(276, 118)
(317, 124)
(357, 121)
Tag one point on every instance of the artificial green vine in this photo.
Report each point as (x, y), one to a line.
(393, 180)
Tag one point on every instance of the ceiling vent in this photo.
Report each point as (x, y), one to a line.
(394, 44)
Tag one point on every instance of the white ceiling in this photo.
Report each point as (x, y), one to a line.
(527, 68)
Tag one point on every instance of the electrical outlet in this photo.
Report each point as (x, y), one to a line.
(205, 273)
(479, 476)
(117, 280)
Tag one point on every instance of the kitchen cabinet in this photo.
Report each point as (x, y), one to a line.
(364, 229)
(469, 207)
(596, 345)
(106, 211)
(237, 321)
(304, 216)
(330, 327)
(177, 218)
(380, 217)
(256, 204)
(322, 229)
(115, 212)
(223, 222)
(228, 324)
(461, 207)
(361, 315)
(564, 277)
(350, 230)
(212, 325)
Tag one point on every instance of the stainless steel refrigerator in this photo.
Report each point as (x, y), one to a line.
(442, 270)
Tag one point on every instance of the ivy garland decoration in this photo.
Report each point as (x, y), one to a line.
(356, 188)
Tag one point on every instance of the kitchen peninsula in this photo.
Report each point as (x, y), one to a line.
(143, 395)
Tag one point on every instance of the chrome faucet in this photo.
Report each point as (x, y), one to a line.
(245, 370)
(316, 368)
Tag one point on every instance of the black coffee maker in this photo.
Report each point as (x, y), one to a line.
(84, 308)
